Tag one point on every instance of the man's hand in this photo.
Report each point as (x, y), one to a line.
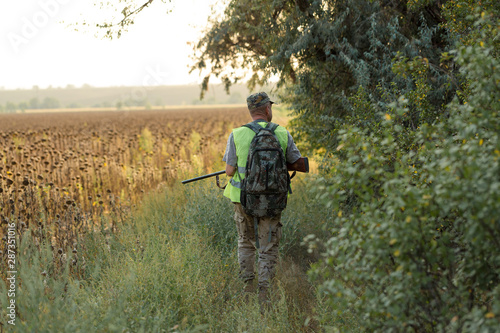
(230, 170)
(301, 165)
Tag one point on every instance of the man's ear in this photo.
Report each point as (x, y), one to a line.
(268, 111)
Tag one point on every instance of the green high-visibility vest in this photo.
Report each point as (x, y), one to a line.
(242, 138)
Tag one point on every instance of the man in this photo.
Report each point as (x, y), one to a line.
(269, 227)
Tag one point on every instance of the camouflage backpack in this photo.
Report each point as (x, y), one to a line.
(265, 186)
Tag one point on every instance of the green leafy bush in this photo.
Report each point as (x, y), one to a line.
(416, 245)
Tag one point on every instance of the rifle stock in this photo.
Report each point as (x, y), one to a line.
(301, 165)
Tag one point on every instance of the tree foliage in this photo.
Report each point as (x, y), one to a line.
(323, 51)
(328, 52)
(417, 246)
(120, 16)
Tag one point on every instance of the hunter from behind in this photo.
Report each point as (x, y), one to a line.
(258, 157)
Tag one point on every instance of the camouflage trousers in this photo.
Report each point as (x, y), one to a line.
(269, 229)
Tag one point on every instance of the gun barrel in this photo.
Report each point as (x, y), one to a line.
(203, 177)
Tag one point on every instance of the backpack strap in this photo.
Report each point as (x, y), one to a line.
(254, 126)
(272, 127)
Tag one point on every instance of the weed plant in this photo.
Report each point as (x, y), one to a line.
(171, 267)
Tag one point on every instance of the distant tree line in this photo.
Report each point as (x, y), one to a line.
(53, 103)
(124, 102)
(34, 103)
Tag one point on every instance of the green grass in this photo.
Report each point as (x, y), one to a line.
(171, 267)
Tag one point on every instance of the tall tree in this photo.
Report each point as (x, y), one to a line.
(334, 55)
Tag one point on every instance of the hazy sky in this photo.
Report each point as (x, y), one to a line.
(37, 47)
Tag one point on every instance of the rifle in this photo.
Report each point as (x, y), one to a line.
(302, 165)
(216, 174)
